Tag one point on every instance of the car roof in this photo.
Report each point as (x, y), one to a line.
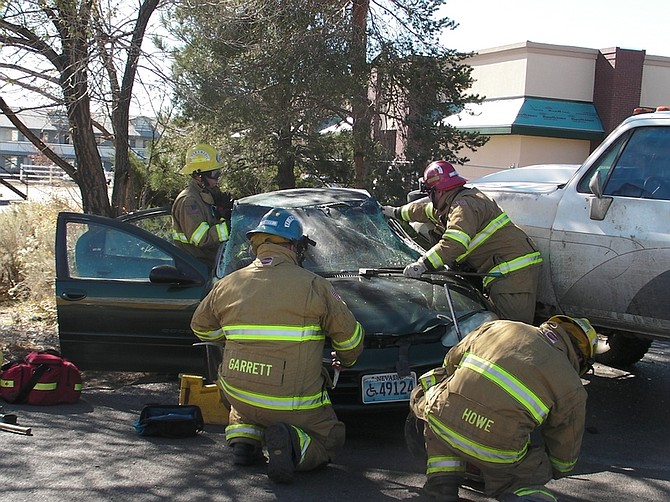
(302, 197)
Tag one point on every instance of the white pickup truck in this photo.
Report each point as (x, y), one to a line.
(604, 231)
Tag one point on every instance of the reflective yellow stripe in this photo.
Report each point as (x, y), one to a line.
(8, 384)
(513, 265)
(179, 237)
(562, 466)
(482, 236)
(46, 386)
(199, 233)
(474, 449)
(77, 387)
(249, 431)
(305, 440)
(271, 402)
(521, 492)
(435, 259)
(427, 380)
(509, 383)
(222, 231)
(444, 463)
(352, 342)
(276, 333)
(209, 336)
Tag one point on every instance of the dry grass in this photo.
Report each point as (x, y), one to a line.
(27, 275)
(28, 319)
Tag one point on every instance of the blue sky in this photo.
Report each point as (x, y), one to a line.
(594, 24)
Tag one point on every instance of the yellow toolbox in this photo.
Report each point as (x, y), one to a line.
(193, 390)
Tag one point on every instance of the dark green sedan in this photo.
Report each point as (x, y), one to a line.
(126, 295)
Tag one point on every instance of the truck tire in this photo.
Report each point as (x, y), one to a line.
(624, 350)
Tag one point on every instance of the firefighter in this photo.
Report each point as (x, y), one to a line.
(475, 234)
(274, 317)
(201, 212)
(502, 382)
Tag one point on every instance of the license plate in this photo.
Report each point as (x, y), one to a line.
(387, 387)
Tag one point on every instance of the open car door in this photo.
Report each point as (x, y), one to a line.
(125, 297)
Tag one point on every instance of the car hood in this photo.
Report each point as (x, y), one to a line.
(541, 178)
(396, 306)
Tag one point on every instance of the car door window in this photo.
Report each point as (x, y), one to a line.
(100, 252)
(637, 165)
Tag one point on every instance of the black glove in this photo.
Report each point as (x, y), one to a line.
(223, 204)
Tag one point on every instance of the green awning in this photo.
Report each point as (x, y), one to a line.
(553, 118)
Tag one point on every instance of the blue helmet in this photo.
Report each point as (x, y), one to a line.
(279, 222)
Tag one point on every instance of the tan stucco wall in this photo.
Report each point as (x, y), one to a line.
(533, 69)
(502, 152)
(655, 81)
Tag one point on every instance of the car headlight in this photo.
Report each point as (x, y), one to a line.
(450, 338)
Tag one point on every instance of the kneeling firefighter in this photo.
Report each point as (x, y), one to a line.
(502, 382)
(274, 317)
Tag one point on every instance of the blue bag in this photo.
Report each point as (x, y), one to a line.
(170, 420)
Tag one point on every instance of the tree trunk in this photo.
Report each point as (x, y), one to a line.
(286, 162)
(360, 108)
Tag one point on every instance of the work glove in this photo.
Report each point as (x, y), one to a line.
(414, 270)
(389, 211)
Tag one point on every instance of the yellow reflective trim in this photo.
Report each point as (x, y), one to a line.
(77, 387)
(7, 384)
(199, 233)
(46, 386)
(474, 449)
(521, 492)
(434, 258)
(444, 463)
(249, 431)
(352, 342)
(514, 387)
(305, 441)
(482, 236)
(278, 333)
(222, 231)
(272, 402)
(513, 265)
(179, 237)
(562, 466)
(209, 336)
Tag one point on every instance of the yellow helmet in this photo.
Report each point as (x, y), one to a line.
(202, 158)
(583, 335)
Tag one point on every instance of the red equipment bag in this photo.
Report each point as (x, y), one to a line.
(42, 378)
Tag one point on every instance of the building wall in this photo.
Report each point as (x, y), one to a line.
(533, 69)
(655, 82)
(504, 152)
(615, 80)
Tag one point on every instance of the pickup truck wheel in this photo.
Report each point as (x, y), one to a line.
(624, 350)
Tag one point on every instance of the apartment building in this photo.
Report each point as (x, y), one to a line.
(52, 129)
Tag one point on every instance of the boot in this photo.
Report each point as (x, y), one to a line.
(442, 488)
(282, 445)
(247, 454)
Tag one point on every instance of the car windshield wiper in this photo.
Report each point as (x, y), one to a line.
(371, 272)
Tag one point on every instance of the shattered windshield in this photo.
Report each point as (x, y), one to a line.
(348, 235)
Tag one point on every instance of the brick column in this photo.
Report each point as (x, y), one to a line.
(617, 85)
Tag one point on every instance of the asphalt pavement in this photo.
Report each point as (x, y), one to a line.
(90, 451)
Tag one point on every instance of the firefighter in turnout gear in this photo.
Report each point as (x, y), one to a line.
(273, 317)
(502, 382)
(201, 212)
(476, 234)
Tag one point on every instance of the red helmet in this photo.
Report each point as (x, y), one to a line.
(441, 175)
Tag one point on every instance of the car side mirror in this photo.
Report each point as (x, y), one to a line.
(167, 274)
(598, 205)
(596, 184)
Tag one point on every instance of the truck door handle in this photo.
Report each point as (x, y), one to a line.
(73, 295)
